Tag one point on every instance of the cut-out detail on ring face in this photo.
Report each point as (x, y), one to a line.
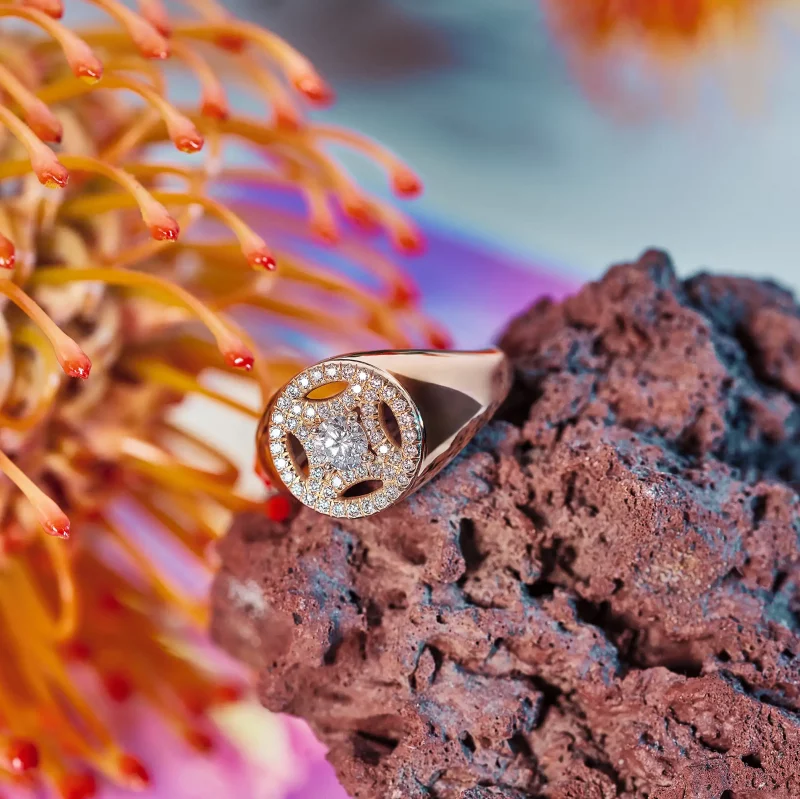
(361, 457)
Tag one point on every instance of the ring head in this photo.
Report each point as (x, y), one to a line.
(344, 437)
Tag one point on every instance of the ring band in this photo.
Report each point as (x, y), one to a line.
(354, 434)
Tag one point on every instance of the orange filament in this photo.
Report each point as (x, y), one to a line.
(404, 182)
(150, 42)
(233, 349)
(39, 117)
(72, 358)
(181, 130)
(48, 169)
(163, 227)
(80, 57)
(53, 520)
(214, 100)
(253, 247)
(297, 68)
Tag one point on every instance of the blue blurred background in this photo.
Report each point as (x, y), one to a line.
(478, 97)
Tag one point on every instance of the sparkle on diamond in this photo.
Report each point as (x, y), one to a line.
(340, 442)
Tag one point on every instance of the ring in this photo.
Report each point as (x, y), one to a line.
(354, 434)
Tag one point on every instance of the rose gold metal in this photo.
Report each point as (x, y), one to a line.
(443, 399)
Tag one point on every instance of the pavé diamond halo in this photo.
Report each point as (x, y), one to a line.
(352, 435)
(351, 453)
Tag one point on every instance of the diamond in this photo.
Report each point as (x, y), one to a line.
(340, 442)
(292, 390)
(375, 382)
(353, 510)
(277, 418)
(328, 492)
(411, 435)
(282, 402)
(275, 432)
(291, 424)
(389, 392)
(369, 394)
(297, 407)
(310, 412)
(338, 508)
(362, 375)
(398, 405)
(381, 500)
(287, 476)
(408, 466)
(298, 490)
(403, 479)
(276, 448)
(323, 505)
(336, 482)
(366, 506)
(304, 382)
(383, 449)
(330, 371)
(281, 464)
(356, 389)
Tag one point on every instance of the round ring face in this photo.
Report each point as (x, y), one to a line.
(345, 438)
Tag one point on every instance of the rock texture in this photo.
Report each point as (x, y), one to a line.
(600, 598)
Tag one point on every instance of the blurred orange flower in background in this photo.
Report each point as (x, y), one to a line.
(653, 35)
(140, 320)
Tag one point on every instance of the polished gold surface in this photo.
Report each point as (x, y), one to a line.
(398, 418)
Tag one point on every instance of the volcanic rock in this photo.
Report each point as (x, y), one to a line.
(599, 598)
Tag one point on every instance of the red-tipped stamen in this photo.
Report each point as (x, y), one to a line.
(80, 57)
(240, 358)
(149, 42)
(314, 88)
(278, 508)
(199, 740)
(53, 8)
(118, 686)
(8, 253)
(78, 786)
(156, 14)
(405, 182)
(22, 756)
(165, 229)
(261, 258)
(134, 774)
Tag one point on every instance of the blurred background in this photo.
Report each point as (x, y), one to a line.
(695, 152)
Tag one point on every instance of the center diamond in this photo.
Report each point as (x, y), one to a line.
(341, 442)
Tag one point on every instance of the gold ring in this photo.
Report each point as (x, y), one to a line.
(354, 434)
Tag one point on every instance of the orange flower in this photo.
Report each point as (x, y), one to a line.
(104, 278)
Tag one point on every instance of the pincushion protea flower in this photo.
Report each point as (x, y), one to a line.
(104, 330)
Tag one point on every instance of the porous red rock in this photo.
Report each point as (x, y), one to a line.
(598, 599)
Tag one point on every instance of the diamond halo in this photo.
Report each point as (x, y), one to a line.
(345, 439)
